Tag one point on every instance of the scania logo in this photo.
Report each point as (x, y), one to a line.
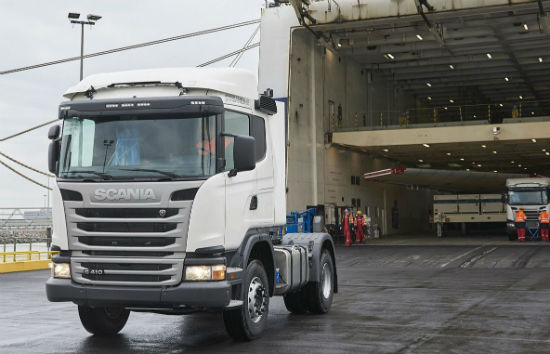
(162, 213)
(124, 194)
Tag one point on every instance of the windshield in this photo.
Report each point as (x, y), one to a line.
(531, 197)
(122, 147)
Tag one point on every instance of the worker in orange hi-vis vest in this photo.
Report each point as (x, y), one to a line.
(544, 220)
(347, 225)
(360, 223)
(520, 224)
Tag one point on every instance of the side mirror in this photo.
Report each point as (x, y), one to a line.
(244, 154)
(504, 198)
(54, 131)
(53, 155)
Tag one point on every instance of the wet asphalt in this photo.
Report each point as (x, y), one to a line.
(393, 299)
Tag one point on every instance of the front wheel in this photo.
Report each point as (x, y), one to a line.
(249, 321)
(103, 321)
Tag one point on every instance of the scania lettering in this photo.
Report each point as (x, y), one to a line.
(127, 194)
(170, 197)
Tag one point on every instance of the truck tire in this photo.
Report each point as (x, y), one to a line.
(103, 321)
(296, 302)
(249, 321)
(321, 293)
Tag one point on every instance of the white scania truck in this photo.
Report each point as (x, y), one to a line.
(170, 188)
(533, 194)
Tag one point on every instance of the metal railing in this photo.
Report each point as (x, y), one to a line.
(493, 113)
(7, 257)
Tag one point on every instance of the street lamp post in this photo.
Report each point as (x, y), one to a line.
(91, 20)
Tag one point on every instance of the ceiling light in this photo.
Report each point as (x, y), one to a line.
(451, 66)
(390, 56)
(547, 153)
(543, 150)
(426, 145)
(462, 159)
(525, 27)
(478, 165)
(506, 79)
(448, 154)
(468, 169)
(484, 146)
(452, 101)
(520, 97)
(532, 113)
(429, 98)
(495, 171)
(420, 160)
(339, 45)
(386, 150)
(500, 104)
(534, 140)
(494, 152)
(512, 161)
(428, 84)
(419, 37)
(489, 56)
(519, 165)
(525, 168)
(446, 108)
(540, 59)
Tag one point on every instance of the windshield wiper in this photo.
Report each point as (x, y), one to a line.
(166, 173)
(100, 174)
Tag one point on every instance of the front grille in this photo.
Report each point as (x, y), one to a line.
(122, 213)
(125, 266)
(126, 241)
(127, 277)
(127, 254)
(122, 271)
(532, 214)
(126, 226)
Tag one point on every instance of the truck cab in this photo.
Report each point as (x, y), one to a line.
(169, 197)
(533, 194)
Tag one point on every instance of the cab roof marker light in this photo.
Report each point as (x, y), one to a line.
(111, 105)
(143, 104)
(127, 105)
(64, 108)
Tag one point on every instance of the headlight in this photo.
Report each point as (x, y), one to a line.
(205, 272)
(61, 270)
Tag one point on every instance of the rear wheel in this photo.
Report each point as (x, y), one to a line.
(103, 321)
(296, 302)
(321, 293)
(249, 321)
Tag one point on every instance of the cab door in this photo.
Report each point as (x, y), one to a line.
(239, 189)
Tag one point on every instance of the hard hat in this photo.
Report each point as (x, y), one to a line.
(359, 212)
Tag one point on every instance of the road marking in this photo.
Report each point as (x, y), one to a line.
(460, 256)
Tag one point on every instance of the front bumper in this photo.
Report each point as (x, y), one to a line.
(189, 294)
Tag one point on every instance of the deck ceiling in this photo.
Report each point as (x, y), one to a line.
(456, 63)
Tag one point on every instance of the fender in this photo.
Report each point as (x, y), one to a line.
(315, 243)
(242, 255)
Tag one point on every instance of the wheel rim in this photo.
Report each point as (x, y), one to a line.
(256, 300)
(326, 280)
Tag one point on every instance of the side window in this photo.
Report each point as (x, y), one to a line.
(238, 124)
(257, 130)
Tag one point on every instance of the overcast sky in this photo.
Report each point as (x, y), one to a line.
(36, 31)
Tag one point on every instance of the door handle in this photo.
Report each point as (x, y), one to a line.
(254, 203)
